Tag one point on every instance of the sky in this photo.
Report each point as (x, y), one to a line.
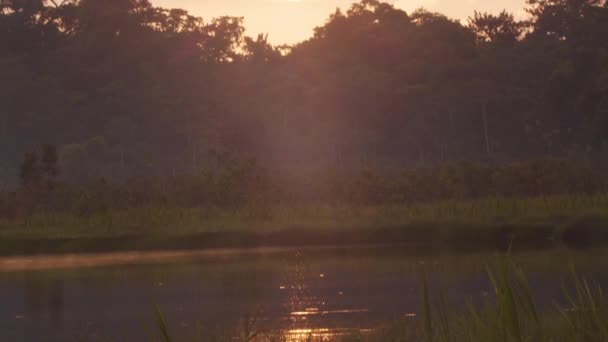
(291, 21)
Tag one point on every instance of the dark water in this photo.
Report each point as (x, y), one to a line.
(298, 293)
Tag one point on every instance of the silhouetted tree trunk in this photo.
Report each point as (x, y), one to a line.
(122, 158)
(194, 157)
(285, 118)
(421, 156)
(484, 114)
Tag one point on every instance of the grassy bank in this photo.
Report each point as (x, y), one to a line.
(495, 222)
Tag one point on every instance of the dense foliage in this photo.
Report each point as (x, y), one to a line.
(236, 184)
(126, 89)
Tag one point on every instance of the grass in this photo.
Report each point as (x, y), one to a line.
(279, 217)
(535, 220)
(510, 315)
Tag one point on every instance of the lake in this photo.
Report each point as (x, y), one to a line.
(297, 293)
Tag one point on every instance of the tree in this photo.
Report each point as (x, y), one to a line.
(49, 167)
(563, 19)
(40, 172)
(30, 171)
(259, 50)
(501, 28)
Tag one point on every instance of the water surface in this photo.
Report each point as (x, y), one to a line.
(296, 293)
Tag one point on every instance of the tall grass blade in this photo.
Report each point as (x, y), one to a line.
(426, 310)
(161, 324)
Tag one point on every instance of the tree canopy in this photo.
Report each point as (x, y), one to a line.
(163, 88)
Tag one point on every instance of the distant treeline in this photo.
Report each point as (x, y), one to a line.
(238, 183)
(127, 89)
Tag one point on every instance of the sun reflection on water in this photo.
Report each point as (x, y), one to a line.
(295, 335)
(313, 310)
(318, 334)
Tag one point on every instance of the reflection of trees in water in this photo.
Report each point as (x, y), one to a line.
(43, 295)
(228, 298)
(245, 297)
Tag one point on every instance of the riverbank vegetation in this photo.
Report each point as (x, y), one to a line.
(240, 204)
(243, 186)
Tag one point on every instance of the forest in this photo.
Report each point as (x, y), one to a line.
(378, 106)
(125, 89)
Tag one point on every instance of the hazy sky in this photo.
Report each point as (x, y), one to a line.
(290, 21)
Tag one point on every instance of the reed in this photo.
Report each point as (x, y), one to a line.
(511, 314)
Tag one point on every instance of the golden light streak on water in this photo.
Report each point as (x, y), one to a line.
(315, 311)
(318, 334)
